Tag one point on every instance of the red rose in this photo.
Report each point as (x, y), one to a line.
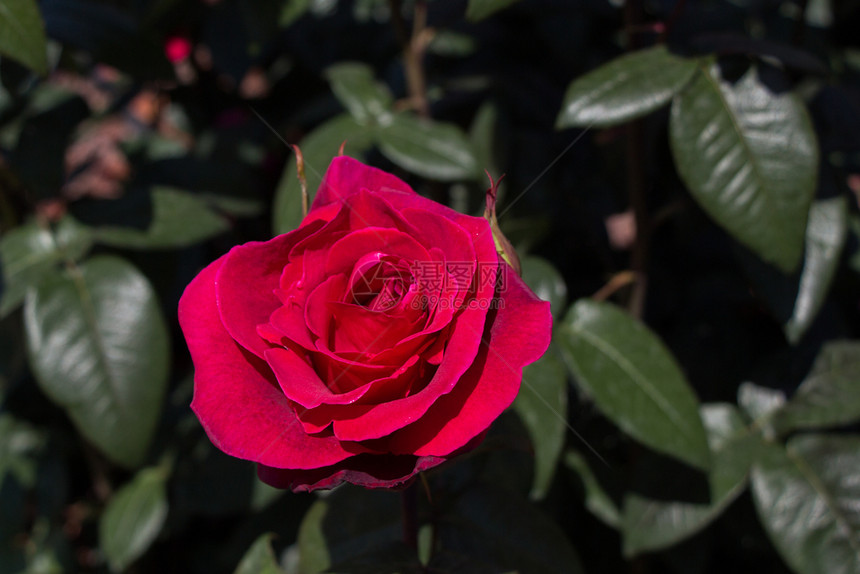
(377, 340)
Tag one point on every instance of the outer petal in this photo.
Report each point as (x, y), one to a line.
(346, 176)
(246, 283)
(369, 471)
(236, 398)
(519, 334)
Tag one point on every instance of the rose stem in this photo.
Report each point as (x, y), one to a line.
(635, 180)
(409, 506)
(413, 51)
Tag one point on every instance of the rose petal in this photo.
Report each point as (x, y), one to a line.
(245, 287)
(302, 384)
(367, 470)
(236, 398)
(519, 334)
(346, 176)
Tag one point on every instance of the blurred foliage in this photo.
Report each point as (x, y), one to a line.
(682, 183)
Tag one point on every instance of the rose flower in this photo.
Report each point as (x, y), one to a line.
(379, 339)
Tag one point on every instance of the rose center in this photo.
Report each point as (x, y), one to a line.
(378, 284)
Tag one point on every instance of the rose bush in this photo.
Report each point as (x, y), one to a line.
(379, 339)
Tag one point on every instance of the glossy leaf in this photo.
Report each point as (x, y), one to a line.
(633, 379)
(179, 219)
(826, 232)
(318, 149)
(760, 404)
(259, 559)
(597, 501)
(808, 498)
(292, 10)
(749, 157)
(30, 252)
(480, 9)
(22, 34)
(626, 88)
(134, 518)
(649, 524)
(546, 282)
(430, 149)
(98, 346)
(542, 406)
(830, 394)
(18, 442)
(365, 99)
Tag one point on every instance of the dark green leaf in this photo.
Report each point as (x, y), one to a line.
(495, 528)
(830, 394)
(626, 88)
(597, 500)
(649, 524)
(318, 149)
(826, 232)
(452, 44)
(634, 380)
(134, 518)
(760, 404)
(22, 34)
(259, 559)
(483, 133)
(179, 219)
(292, 10)
(18, 442)
(433, 150)
(542, 406)
(749, 157)
(546, 282)
(349, 523)
(30, 252)
(366, 100)
(796, 299)
(480, 9)
(808, 499)
(98, 346)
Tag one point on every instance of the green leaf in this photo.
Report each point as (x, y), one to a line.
(292, 10)
(18, 442)
(546, 282)
(760, 404)
(796, 299)
(480, 9)
(808, 498)
(448, 43)
(826, 232)
(626, 88)
(349, 523)
(98, 346)
(22, 34)
(134, 518)
(634, 380)
(179, 219)
(433, 150)
(749, 157)
(259, 559)
(318, 149)
(484, 135)
(30, 252)
(597, 501)
(542, 406)
(367, 101)
(504, 533)
(649, 525)
(830, 394)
